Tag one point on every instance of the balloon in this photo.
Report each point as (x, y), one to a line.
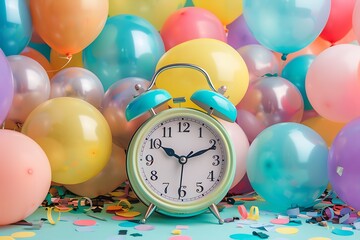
(227, 10)
(74, 135)
(25, 176)
(68, 26)
(77, 82)
(259, 60)
(15, 25)
(43, 48)
(244, 186)
(273, 100)
(241, 146)
(6, 86)
(191, 23)
(356, 20)
(154, 11)
(189, 3)
(344, 164)
(249, 123)
(286, 165)
(295, 71)
(332, 83)
(309, 114)
(116, 98)
(224, 65)
(325, 128)
(37, 56)
(31, 87)
(111, 177)
(286, 26)
(239, 33)
(129, 46)
(59, 61)
(339, 22)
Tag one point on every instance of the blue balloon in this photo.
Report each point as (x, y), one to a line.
(128, 46)
(295, 71)
(287, 165)
(286, 26)
(15, 25)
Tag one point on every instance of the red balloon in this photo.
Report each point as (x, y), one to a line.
(340, 20)
(191, 23)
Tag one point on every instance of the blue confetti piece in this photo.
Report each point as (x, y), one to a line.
(128, 224)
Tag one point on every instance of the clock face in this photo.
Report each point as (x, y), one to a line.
(181, 156)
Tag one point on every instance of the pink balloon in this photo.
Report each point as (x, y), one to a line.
(191, 23)
(31, 84)
(116, 98)
(241, 145)
(273, 100)
(249, 123)
(356, 20)
(244, 186)
(333, 83)
(111, 177)
(79, 83)
(259, 61)
(25, 176)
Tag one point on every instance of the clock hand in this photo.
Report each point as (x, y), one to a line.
(181, 177)
(170, 152)
(198, 153)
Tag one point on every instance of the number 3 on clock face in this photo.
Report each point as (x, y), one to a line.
(181, 161)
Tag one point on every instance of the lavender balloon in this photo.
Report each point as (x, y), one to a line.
(239, 33)
(344, 164)
(6, 86)
(273, 100)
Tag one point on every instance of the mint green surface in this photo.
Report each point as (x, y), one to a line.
(200, 227)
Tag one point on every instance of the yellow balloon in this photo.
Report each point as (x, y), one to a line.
(223, 64)
(325, 128)
(74, 135)
(59, 61)
(155, 11)
(226, 10)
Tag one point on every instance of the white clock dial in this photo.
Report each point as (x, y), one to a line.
(182, 159)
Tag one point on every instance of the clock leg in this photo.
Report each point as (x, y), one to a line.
(149, 211)
(216, 213)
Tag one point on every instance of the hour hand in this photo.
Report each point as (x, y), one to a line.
(170, 152)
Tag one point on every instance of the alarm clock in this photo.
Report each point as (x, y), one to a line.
(181, 161)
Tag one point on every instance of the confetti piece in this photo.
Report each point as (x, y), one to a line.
(280, 221)
(182, 227)
(118, 218)
(84, 222)
(176, 232)
(136, 235)
(128, 214)
(127, 224)
(113, 209)
(23, 234)
(341, 232)
(6, 238)
(85, 229)
(144, 227)
(319, 238)
(287, 230)
(180, 237)
(243, 236)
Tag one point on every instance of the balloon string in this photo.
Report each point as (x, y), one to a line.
(68, 57)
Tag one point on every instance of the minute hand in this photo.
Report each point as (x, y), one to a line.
(198, 153)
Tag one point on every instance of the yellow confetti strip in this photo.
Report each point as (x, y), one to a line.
(6, 238)
(128, 214)
(23, 234)
(176, 232)
(287, 230)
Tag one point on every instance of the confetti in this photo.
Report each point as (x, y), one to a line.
(176, 232)
(243, 236)
(280, 221)
(6, 238)
(127, 224)
(180, 238)
(341, 232)
(128, 214)
(287, 230)
(85, 222)
(23, 234)
(144, 227)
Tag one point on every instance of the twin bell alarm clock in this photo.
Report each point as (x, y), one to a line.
(181, 161)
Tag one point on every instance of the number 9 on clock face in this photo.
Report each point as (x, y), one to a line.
(182, 161)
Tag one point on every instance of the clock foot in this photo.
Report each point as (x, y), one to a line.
(216, 213)
(149, 211)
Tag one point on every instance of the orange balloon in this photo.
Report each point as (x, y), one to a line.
(59, 61)
(68, 26)
(37, 56)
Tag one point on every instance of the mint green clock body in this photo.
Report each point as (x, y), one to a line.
(181, 162)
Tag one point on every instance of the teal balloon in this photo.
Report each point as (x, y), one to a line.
(128, 46)
(287, 165)
(286, 26)
(295, 71)
(189, 3)
(42, 48)
(15, 26)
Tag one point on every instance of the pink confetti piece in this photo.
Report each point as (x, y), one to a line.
(144, 227)
(85, 222)
(280, 221)
(180, 237)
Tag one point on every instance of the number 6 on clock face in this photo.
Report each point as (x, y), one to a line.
(181, 161)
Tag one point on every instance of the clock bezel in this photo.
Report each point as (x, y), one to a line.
(166, 206)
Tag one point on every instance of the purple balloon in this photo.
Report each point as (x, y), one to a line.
(344, 164)
(239, 34)
(6, 86)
